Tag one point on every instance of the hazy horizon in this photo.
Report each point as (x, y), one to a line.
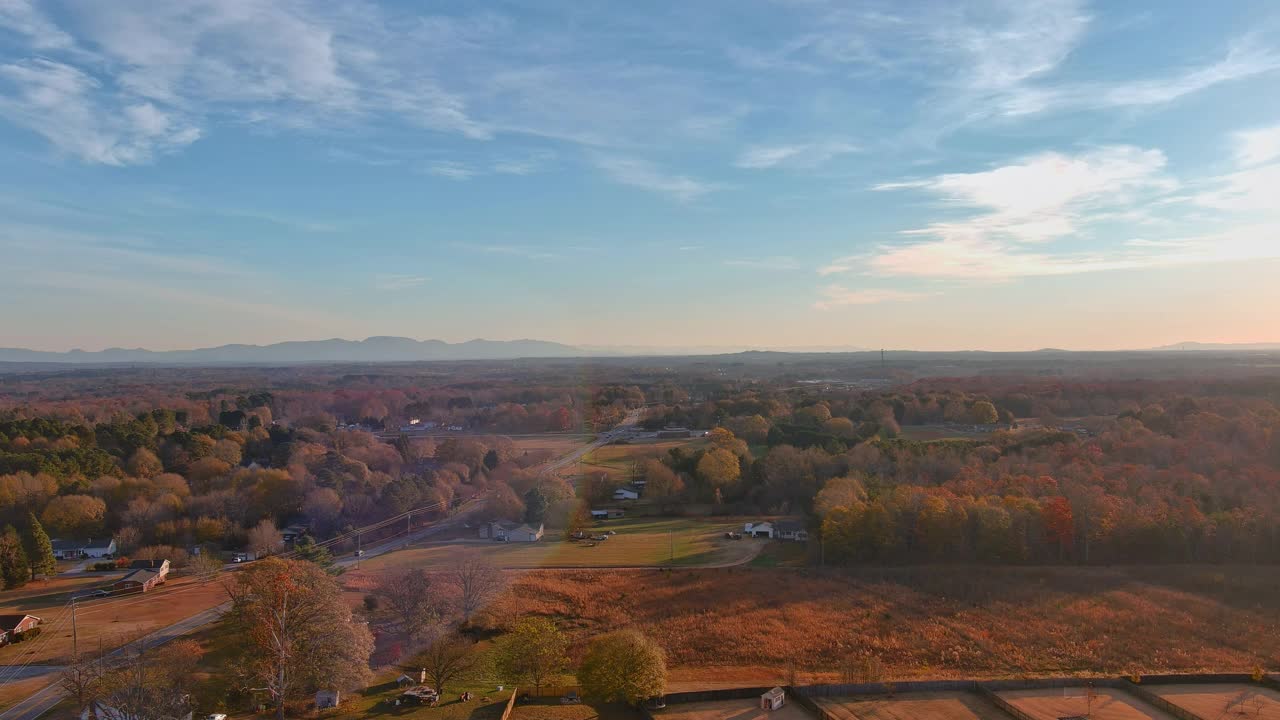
(1001, 176)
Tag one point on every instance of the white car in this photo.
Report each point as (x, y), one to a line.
(216, 716)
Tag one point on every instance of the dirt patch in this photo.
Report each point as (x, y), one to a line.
(748, 709)
(956, 705)
(1106, 704)
(1223, 701)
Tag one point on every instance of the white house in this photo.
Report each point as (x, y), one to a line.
(79, 549)
(626, 492)
(511, 532)
(758, 530)
(526, 533)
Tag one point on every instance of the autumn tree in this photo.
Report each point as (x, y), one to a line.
(294, 631)
(533, 653)
(718, 468)
(662, 484)
(411, 598)
(503, 503)
(476, 581)
(144, 464)
(448, 657)
(623, 666)
(74, 515)
(983, 413)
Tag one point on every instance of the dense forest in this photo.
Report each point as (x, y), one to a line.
(1032, 469)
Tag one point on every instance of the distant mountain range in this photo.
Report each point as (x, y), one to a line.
(1231, 347)
(374, 349)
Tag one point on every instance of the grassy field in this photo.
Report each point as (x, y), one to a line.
(639, 542)
(1107, 704)
(1223, 700)
(925, 622)
(552, 709)
(621, 460)
(102, 623)
(556, 444)
(913, 706)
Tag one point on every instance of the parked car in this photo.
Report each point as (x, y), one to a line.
(359, 553)
(239, 558)
(99, 593)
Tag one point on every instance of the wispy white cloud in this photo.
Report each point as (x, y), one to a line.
(1042, 196)
(1257, 146)
(71, 110)
(801, 155)
(1250, 189)
(839, 295)
(645, 175)
(393, 282)
(452, 170)
(24, 18)
(775, 262)
(1242, 61)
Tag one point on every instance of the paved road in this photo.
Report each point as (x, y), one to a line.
(623, 431)
(44, 699)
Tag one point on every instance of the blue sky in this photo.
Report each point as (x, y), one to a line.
(1000, 175)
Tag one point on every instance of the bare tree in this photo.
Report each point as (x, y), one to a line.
(82, 678)
(449, 657)
(150, 682)
(264, 538)
(411, 598)
(477, 582)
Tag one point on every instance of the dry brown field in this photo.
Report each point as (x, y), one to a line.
(1223, 700)
(104, 623)
(955, 705)
(925, 622)
(1108, 704)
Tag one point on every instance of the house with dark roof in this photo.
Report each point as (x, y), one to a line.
(13, 626)
(80, 549)
(144, 576)
(791, 530)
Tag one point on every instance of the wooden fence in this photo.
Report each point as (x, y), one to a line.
(511, 703)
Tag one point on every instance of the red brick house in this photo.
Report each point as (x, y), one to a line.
(13, 626)
(146, 575)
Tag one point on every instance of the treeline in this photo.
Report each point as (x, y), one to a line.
(1181, 472)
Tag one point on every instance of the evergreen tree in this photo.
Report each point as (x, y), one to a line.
(40, 549)
(306, 549)
(14, 569)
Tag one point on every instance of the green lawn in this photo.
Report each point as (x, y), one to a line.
(639, 542)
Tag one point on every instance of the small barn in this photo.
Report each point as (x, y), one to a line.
(774, 699)
(758, 530)
(327, 699)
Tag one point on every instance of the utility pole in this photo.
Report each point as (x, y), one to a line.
(75, 638)
(358, 550)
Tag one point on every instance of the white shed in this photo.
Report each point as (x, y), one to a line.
(774, 699)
